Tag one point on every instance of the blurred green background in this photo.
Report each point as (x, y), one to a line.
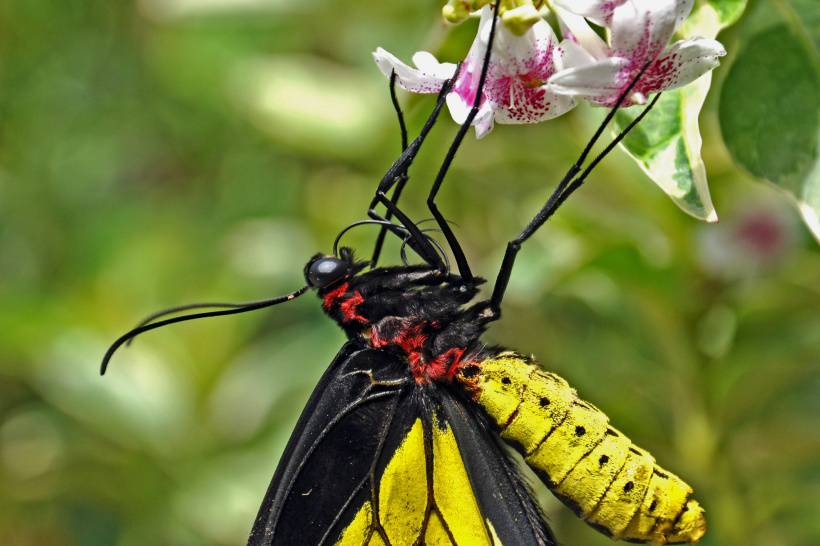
(157, 152)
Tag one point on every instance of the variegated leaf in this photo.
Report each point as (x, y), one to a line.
(667, 143)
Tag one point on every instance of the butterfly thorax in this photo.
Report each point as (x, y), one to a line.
(418, 313)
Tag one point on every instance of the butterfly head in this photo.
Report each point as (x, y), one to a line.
(323, 271)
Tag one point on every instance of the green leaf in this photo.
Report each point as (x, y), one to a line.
(728, 11)
(770, 110)
(667, 143)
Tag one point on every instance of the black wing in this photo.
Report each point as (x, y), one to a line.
(377, 459)
(329, 455)
(505, 499)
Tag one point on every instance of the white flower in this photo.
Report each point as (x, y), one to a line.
(515, 89)
(639, 33)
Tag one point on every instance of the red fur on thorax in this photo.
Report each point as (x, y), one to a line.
(333, 295)
(444, 366)
(411, 341)
(349, 306)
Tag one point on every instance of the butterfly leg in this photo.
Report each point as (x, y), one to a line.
(402, 177)
(565, 188)
(396, 176)
(452, 240)
(416, 239)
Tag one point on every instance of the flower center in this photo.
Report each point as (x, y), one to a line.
(530, 81)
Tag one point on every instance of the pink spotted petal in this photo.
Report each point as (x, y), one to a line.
(515, 89)
(460, 109)
(640, 29)
(527, 105)
(518, 86)
(515, 54)
(466, 84)
(527, 61)
(682, 63)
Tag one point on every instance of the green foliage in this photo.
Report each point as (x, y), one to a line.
(728, 11)
(776, 144)
(140, 168)
(667, 145)
(779, 65)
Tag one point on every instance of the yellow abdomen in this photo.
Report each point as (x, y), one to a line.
(613, 485)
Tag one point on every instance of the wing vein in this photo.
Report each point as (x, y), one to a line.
(364, 399)
(374, 491)
(342, 509)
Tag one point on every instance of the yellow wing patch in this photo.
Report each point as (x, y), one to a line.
(453, 493)
(360, 529)
(436, 534)
(612, 484)
(454, 518)
(403, 489)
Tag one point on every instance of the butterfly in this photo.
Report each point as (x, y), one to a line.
(406, 438)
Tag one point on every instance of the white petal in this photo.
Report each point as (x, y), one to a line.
(666, 17)
(483, 121)
(571, 55)
(514, 52)
(484, 26)
(412, 79)
(641, 29)
(577, 30)
(630, 28)
(684, 62)
(682, 10)
(597, 11)
(427, 62)
(459, 109)
(467, 81)
(598, 81)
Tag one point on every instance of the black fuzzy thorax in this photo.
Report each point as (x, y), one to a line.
(418, 312)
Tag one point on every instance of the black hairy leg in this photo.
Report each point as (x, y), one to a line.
(568, 184)
(444, 226)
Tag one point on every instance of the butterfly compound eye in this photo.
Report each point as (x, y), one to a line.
(326, 270)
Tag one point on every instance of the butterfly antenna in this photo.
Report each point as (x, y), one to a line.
(386, 224)
(436, 245)
(230, 309)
